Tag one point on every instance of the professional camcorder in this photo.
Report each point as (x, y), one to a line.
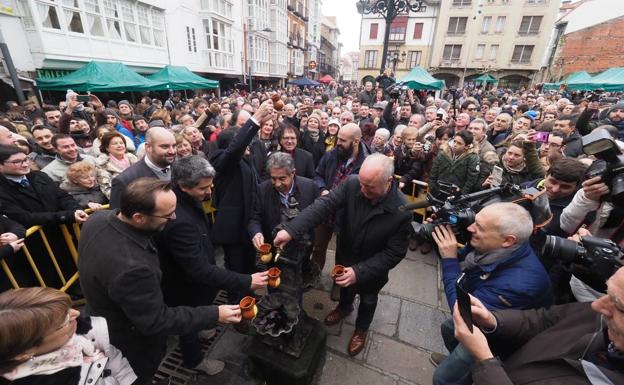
(397, 91)
(610, 163)
(459, 210)
(593, 260)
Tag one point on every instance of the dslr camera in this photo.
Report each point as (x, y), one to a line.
(609, 164)
(593, 259)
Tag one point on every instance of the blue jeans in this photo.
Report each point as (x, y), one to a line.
(457, 368)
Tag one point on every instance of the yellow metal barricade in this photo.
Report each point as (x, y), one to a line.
(418, 192)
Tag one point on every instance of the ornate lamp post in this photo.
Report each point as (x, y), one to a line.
(395, 58)
(388, 10)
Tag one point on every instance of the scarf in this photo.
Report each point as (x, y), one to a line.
(121, 164)
(515, 170)
(330, 142)
(475, 260)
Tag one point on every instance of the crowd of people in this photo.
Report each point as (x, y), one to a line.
(346, 156)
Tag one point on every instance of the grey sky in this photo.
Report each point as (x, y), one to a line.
(348, 20)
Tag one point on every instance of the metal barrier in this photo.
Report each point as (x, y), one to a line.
(68, 236)
(418, 192)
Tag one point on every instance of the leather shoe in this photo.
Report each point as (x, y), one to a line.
(335, 316)
(357, 342)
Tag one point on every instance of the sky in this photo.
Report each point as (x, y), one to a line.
(348, 20)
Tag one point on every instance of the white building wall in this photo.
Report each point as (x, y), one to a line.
(278, 49)
(15, 38)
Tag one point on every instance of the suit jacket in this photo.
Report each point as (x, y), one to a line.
(42, 203)
(190, 274)
(138, 170)
(304, 164)
(235, 184)
(267, 207)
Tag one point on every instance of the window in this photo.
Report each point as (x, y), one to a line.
(462, 2)
(194, 39)
(73, 19)
(130, 27)
(457, 26)
(112, 19)
(145, 32)
(485, 27)
(451, 52)
(418, 30)
(500, 24)
(49, 16)
(530, 25)
(493, 51)
(537, 1)
(413, 59)
(370, 59)
(397, 33)
(158, 25)
(522, 54)
(218, 35)
(479, 52)
(373, 31)
(95, 25)
(188, 39)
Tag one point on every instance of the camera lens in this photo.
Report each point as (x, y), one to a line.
(617, 190)
(561, 248)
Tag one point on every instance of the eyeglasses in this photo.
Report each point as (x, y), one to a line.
(167, 217)
(21, 161)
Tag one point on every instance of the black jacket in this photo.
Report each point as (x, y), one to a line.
(42, 203)
(138, 170)
(235, 184)
(574, 145)
(190, 274)
(9, 226)
(326, 170)
(317, 149)
(372, 238)
(267, 207)
(304, 163)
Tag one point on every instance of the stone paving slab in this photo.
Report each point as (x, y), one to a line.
(415, 281)
(430, 258)
(386, 315)
(343, 371)
(341, 342)
(419, 325)
(401, 359)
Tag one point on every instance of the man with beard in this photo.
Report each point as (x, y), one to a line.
(614, 117)
(160, 151)
(66, 154)
(120, 275)
(335, 166)
(44, 153)
(140, 129)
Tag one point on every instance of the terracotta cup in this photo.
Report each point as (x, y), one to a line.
(337, 271)
(274, 277)
(278, 104)
(265, 253)
(248, 307)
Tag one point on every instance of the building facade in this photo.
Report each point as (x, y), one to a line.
(410, 42)
(329, 54)
(314, 38)
(298, 16)
(505, 38)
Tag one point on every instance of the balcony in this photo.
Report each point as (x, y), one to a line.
(218, 59)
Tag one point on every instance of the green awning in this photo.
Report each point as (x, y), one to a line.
(419, 79)
(486, 78)
(99, 76)
(181, 78)
(610, 80)
(572, 79)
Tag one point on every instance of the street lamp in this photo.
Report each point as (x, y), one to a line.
(250, 32)
(388, 10)
(394, 59)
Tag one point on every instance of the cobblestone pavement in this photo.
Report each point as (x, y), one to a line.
(406, 328)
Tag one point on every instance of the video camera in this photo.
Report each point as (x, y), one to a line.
(593, 260)
(397, 91)
(609, 165)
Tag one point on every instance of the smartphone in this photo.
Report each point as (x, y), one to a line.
(541, 136)
(83, 98)
(463, 302)
(439, 116)
(497, 176)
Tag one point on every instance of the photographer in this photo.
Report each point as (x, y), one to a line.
(576, 343)
(408, 107)
(501, 270)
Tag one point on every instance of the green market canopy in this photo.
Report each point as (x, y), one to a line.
(486, 78)
(575, 77)
(419, 79)
(181, 78)
(99, 76)
(610, 80)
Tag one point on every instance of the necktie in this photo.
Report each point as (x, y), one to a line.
(24, 183)
(165, 170)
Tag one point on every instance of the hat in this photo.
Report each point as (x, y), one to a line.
(379, 105)
(127, 103)
(318, 100)
(334, 121)
(156, 123)
(618, 106)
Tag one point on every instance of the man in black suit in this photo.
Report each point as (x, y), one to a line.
(190, 275)
(235, 185)
(160, 152)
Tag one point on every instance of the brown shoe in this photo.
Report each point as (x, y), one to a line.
(357, 342)
(335, 316)
(412, 244)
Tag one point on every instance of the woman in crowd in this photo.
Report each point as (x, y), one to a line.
(44, 341)
(520, 163)
(332, 134)
(457, 163)
(312, 138)
(183, 147)
(98, 133)
(81, 183)
(113, 160)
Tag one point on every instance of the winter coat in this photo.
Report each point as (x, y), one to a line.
(532, 170)
(517, 281)
(118, 184)
(573, 145)
(107, 171)
(58, 167)
(326, 170)
(84, 195)
(371, 238)
(462, 171)
(549, 345)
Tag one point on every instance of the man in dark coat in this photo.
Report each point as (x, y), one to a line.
(121, 278)
(372, 238)
(160, 152)
(190, 274)
(572, 344)
(288, 138)
(235, 186)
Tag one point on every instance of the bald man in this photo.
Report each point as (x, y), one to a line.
(6, 136)
(160, 152)
(371, 240)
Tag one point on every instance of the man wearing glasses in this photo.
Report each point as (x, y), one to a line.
(576, 343)
(121, 277)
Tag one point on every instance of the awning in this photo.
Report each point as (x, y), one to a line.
(575, 77)
(304, 81)
(326, 79)
(419, 79)
(610, 80)
(180, 78)
(486, 78)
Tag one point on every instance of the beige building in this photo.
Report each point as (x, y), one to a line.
(409, 44)
(504, 38)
